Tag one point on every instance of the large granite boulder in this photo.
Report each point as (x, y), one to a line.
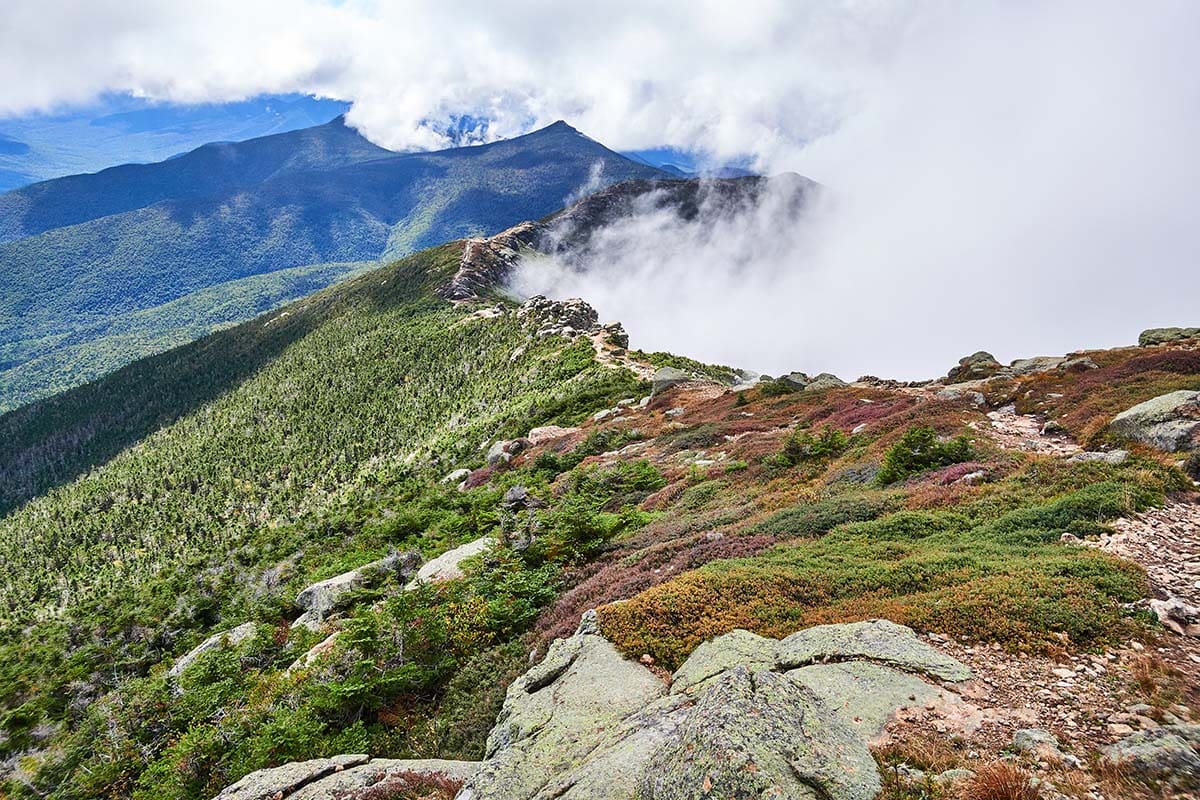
(322, 598)
(974, 367)
(666, 377)
(826, 380)
(744, 716)
(1155, 336)
(232, 638)
(1032, 366)
(1168, 422)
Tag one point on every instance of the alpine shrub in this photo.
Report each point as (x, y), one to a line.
(920, 449)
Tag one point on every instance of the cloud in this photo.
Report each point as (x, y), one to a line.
(1022, 180)
(1016, 176)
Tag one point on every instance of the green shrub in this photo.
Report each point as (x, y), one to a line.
(817, 519)
(920, 449)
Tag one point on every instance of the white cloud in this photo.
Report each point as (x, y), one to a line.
(1017, 176)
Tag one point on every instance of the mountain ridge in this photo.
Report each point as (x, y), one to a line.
(301, 198)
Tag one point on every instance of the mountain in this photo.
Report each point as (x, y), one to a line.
(96, 270)
(413, 518)
(119, 129)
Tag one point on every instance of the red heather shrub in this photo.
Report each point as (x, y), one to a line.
(408, 785)
(479, 477)
(632, 573)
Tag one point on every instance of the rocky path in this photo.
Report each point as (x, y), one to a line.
(1166, 542)
(1014, 431)
(611, 356)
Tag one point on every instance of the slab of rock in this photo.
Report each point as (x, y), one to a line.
(666, 377)
(1113, 457)
(1155, 336)
(557, 714)
(233, 637)
(446, 567)
(1168, 754)
(758, 734)
(337, 778)
(865, 695)
(286, 779)
(323, 597)
(1031, 366)
(734, 649)
(1168, 422)
(457, 476)
(877, 640)
(351, 783)
(1177, 616)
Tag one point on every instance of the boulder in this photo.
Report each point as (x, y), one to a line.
(796, 380)
(446, 566)
(323, 597)
(1113, 457)
(1177, 616)
(503, 451)
(974, 367)
(614, 334)
(666, 377)
(1043, 745)
(586, 724)
(457, 476)
(1155, 336)
(1031, 366)
(825, 381)
(1080, 364)
(1168, 422)
(877, 640)
(232, 637)
(342, 777)
(314, 653)
(1167, 754)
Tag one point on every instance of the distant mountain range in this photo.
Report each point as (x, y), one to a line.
(99, 269)
(119, 129)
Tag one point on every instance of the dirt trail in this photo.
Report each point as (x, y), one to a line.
(611, 356)
(1014, 431)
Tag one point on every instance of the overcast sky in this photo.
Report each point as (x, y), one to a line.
(1015, 176)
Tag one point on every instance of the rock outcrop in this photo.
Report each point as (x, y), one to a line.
(232, 637)
(1168, 422)
(340, 777)
(975, 367)
(570, 318)
(322, 598)
(1170, 754)
(1155, 336)
(744, 716)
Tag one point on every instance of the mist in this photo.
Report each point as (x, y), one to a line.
(1021, 188)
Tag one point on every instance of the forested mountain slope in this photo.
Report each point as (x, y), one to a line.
(77, 252)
